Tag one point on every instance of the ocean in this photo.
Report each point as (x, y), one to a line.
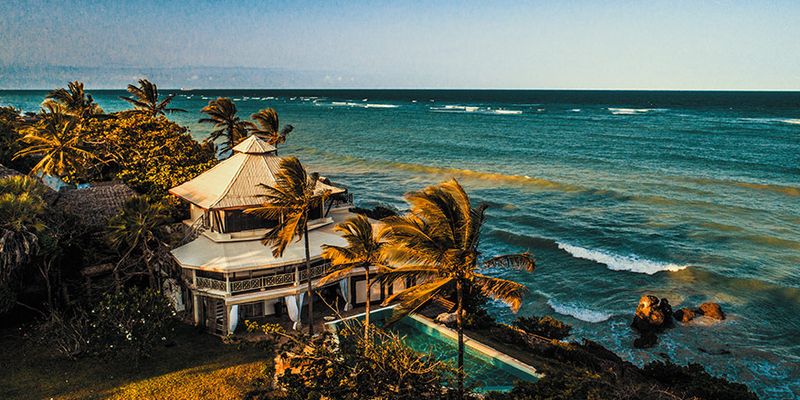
(693, 196)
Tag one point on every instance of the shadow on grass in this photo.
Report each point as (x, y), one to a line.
(196, 364)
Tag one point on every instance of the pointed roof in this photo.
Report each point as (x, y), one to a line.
(254, 145)
(234, 183)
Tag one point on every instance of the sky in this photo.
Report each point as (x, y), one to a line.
(404, 44)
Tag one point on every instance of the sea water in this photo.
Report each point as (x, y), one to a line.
(693, 196)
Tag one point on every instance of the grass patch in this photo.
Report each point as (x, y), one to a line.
(197, 366)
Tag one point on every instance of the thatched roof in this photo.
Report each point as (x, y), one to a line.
(5, 172)
(96, 204)
(234, 183)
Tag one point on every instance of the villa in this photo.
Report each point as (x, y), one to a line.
(232, 274)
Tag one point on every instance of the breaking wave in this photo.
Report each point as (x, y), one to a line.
(630, 111)
(359, 105)
(475, 110)
(615, 262)
(795, 121)
(578, 311)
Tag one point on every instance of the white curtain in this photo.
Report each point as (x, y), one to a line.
(294, 306)
(344, 286)
(233, 319)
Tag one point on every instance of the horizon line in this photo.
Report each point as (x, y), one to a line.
(447, 89)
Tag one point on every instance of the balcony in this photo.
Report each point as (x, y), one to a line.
(263, 282)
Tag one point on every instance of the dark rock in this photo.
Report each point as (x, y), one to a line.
(645, 341)
(685, 314)
(652, 314)
(712, 310)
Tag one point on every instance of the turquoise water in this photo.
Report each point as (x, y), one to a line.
(692, 196)
(483, 372)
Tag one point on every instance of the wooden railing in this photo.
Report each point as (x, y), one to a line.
(263, 282)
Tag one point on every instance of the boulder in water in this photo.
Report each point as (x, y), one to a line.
(685, 314)
(652, 314)
(712, 310)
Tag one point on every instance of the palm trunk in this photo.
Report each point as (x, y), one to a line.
(460, 342)
(366, 316)
(309, 293)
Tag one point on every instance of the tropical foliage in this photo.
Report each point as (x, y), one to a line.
(58, 143)
(145, 99)
(134, 233)
(364, 250)
(546, 326)
(21, 223)
(131, 323)
(151, 155)
(290, 202)
(10, 125)
(267, 127)
(436, 244)
(227, 124)
(74, 101)
(350, 366)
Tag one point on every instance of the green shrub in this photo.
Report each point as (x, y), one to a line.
(130, 323)
(546, 326)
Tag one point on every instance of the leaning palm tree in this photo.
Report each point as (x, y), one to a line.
(133, 233)
(74, 100)
(267, 127)
(58, 143)
(289, 203)
(21, 210)
(436, 243)
(222, 113)
(364, 250)
(144, 99)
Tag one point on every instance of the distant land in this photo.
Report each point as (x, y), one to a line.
(51, 76)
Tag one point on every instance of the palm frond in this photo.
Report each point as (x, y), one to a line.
(523, 261)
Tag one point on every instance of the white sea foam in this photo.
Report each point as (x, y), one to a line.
(362, 105)
(615, 262)
(795, 121)
(507, 112)
(578, 311)
(474, 109)
(630, 111)
(576, 110)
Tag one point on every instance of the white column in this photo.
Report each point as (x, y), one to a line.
(294, 307)
(344, 286)
(233, 318)
(196, 308)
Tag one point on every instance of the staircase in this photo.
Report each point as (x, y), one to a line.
(219, 318)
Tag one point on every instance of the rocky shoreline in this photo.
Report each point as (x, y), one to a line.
(653, 316)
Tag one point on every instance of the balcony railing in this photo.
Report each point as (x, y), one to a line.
(262, 282)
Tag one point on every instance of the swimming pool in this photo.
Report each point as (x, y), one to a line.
(485, 368)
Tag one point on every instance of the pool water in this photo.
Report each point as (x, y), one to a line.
(484, 372)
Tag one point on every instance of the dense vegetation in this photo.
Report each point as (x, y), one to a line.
(87, 292)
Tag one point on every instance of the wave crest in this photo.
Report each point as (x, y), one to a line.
(616, 262)
(578, 311)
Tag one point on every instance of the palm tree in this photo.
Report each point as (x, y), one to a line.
(365, 249)
(145, 99)
(133, 233)
(21, 209)
(437, 244)
(268, 127)
(61, 146)
(289, 202)
(74, 100)
(222, 113)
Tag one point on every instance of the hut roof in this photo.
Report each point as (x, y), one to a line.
(5, 172)
(234, 183)
(96, 204)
